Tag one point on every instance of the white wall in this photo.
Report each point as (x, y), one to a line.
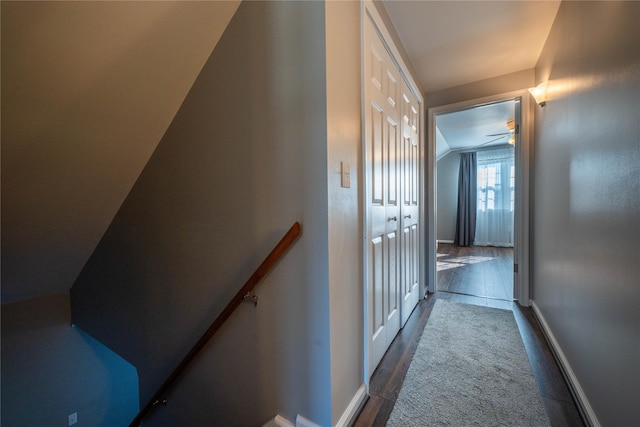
(586, 258)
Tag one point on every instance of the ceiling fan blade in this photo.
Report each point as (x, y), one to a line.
(497, 134)
(489, 142)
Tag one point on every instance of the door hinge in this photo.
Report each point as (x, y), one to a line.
(515, 268)
(517, 129)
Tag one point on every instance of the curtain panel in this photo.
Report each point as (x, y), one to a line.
(467, 200)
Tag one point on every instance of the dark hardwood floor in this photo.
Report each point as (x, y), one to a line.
(388, 378)
(483, 271)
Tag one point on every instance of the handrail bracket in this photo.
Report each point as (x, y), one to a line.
(162, 402)
(251, 298)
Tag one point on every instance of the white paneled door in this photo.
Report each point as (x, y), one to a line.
(392, 189)
(382, 145)
(409, 203)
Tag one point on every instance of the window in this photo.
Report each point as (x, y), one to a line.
(496, 180)
(512, 187)
(489, 186)
(496, 197)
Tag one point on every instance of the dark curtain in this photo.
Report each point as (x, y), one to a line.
(467, 198)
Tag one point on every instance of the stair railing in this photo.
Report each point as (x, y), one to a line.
(244, 294)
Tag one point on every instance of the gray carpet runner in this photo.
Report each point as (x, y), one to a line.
(470, 369)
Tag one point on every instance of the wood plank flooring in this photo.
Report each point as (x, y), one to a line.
(483, 271)
(388, 378)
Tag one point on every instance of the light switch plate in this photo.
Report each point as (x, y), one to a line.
(345, 175)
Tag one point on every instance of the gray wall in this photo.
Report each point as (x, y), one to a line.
(51, 370)
(345, 227)
(447, 195)
(586, 258)
(243, 159)
(85, 100)
(488, 87)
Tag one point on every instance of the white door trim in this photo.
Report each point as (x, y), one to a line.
(523, 179)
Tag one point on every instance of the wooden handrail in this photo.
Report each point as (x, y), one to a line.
(271, 259)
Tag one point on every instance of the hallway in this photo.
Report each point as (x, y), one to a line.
(388, 378)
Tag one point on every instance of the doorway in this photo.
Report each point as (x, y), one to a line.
(479, 140)
(518, 268)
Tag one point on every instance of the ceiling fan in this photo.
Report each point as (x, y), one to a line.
(511, 126)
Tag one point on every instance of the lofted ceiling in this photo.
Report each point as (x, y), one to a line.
(451, 43)
(482, 126)
(88, 90)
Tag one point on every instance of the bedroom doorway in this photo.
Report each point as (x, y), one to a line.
(475, 200)
(494, 264)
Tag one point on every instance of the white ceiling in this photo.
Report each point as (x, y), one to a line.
(474, 127)
(451, 43)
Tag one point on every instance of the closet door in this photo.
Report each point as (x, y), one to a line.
(409, 203)
(382, 89)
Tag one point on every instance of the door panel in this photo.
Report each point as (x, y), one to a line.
(377, 155)
(393, 308)
(382, 152)
(410, 211)
(393, 134)
(378, 296)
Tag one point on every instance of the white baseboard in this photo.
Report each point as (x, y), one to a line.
(444, 241)
(583, 402)
(278, 421)
(303, 422)
(353, 407)
(349, 413)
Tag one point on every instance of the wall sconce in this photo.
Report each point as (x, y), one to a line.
(539, 93)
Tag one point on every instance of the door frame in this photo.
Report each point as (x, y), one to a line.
(521, 251)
